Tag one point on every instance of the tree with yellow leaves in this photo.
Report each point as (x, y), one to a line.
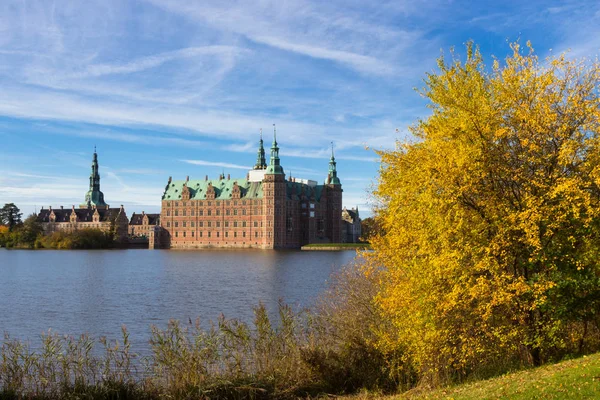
(490, 245)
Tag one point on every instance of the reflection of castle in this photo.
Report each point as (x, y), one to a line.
(93, 213)
(264, 210)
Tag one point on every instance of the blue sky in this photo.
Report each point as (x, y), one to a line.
(182, 87)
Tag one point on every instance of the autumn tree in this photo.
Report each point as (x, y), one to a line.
(490, 217)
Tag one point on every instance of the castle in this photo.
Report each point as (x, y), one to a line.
(264, 210)
(92, 213)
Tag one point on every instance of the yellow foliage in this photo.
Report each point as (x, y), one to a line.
(491, 218)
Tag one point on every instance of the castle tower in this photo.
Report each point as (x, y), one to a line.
(334, 202)
(94, 197)
(261, 162)
(274, 190)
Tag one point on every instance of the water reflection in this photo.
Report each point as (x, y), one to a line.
(98, 291)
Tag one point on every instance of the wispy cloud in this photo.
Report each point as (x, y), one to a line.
(215, 164)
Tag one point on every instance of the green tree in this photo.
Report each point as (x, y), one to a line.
(10, 216)
(30, 230)
(491, 217)
(369, 227)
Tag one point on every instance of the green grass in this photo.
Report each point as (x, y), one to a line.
(573, 379)
(344, 245)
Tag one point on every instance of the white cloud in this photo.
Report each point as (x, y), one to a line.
(215, 164)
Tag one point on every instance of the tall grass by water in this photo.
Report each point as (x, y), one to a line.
(298, 355)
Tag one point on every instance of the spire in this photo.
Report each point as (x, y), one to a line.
(275, 166)
(94, 197)
(332, 177)
(261, 162)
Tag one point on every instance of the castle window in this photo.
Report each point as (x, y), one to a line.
(192, 233)
(208, 233)
(226, 234)
(312, 205)
(183, 203)
(289, 224)
(243, 211)
(244, 202)
(176, 213)
(218, 224)
(235, 212)
(227, 211)
(209, 224)
(226, 224)
(176, 224)
(200, 233)
(184, 213)
(168, 213)
(209, 212)
(256, 234)
(218, 212)
(176, 234)
(200, 212)
(234, 234)
(184, 224)
(244, 224)
(303, 205)
(176, 204)
(312, 214)
(235, 224)
(201, 224)
(192, 224)
(192, 212)
(235, 202)
(217, 234)
(208, 203)
(183, 234)
(256, 224)
(244, 234)
(168, 224)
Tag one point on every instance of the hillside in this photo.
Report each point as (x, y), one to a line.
(573, 379)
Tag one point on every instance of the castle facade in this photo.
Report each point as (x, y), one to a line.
(264, 210)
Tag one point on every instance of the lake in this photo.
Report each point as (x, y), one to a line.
(97, 291)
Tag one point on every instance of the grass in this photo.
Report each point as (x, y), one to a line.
(343, 245)
(572, 379)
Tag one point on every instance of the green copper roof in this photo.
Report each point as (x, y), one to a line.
(248, 190)
(332, 177)
(94, 197)
(223, 189)
(274, 163)
(261, 162)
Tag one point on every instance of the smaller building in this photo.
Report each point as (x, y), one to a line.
(351, 226)
(143, 224)
(72, 219)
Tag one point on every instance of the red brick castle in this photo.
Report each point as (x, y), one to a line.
(263, 210)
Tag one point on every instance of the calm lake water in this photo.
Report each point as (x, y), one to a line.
(95, 292)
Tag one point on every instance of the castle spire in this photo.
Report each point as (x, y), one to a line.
(94, 197)
(332, 177)
(275, 166)
(261, 162)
